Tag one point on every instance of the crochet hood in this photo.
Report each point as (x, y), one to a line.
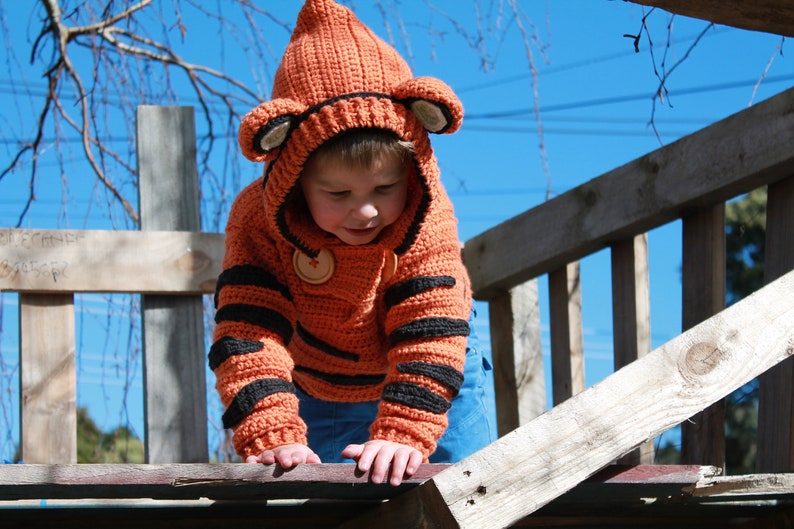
(336, 75)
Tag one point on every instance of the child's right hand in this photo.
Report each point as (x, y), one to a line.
(287, 456)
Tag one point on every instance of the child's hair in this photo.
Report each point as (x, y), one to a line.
(360, 147)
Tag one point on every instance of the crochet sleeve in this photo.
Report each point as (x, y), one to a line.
(427, 316)
(253, 325)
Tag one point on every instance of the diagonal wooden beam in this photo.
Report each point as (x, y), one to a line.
(542, 460)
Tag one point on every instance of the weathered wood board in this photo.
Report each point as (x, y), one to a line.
(109, 261)
(770, 16)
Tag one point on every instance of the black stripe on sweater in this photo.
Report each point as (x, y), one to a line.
(342, 380)
(248, 397)
(415, 396)
(260, 316)
(446, 375)
(416, 285)
(435, 327)
(228, 346)
(312, 341)
(250, 275)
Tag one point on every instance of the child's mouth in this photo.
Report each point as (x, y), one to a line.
(361, 232)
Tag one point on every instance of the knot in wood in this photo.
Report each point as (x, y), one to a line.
(193, 260)
(700, 360)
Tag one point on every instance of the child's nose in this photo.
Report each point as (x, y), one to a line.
(365, 211)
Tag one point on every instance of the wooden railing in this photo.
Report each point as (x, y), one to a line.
(535, 460)
(688, 180)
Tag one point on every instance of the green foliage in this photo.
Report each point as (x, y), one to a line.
(94, 446)
(669, 454)
(745, 226)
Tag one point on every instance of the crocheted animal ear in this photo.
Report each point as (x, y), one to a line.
(264, 129)
(433, 103)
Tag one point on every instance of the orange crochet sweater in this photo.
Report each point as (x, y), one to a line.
(366, 330)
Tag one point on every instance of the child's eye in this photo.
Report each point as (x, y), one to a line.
(386, 188)
(337, 194)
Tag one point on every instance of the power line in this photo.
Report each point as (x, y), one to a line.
(626, 98)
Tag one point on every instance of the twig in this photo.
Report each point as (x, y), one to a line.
(778, 51)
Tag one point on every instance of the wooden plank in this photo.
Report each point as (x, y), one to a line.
(48, 379)
(736, 487)
(175, 402)
(703, 295)
(631, 300)
(152, 262)
(733, 156)
(192, 481)
(631, 316)
(232, 481)
(519, 380)
(565, 322)
(611, 498)
(776, 392)
(771, 16)
(530, 467)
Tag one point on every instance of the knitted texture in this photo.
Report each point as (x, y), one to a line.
(368, 332)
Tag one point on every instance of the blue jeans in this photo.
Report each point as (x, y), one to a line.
(334, 425)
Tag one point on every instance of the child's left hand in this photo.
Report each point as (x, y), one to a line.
(380, 455)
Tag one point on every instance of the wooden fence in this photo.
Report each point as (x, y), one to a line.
(537, 459)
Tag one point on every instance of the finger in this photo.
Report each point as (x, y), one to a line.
(382, 463)
(414, 461)
(252, 459)
(288, 458)
(399, 466)
(352, 451)
(368, 455)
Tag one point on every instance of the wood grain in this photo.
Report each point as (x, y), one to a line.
(519, 381)
(48, 378)
(175, 398)
(565, 324)
(631, 316)
(151, 262)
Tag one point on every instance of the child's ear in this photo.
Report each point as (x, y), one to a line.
(264, 129)
(433, 103)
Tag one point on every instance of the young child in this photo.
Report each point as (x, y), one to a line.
(343, 308)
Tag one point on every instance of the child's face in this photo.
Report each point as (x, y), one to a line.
(355, 204)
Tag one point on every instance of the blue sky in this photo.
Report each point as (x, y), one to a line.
(595, 100)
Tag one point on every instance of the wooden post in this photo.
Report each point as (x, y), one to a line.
(631, 316)
(519, 382)
(565, 315)
(703, 435)
(47, 378)
(776, 392)
(175, 404)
